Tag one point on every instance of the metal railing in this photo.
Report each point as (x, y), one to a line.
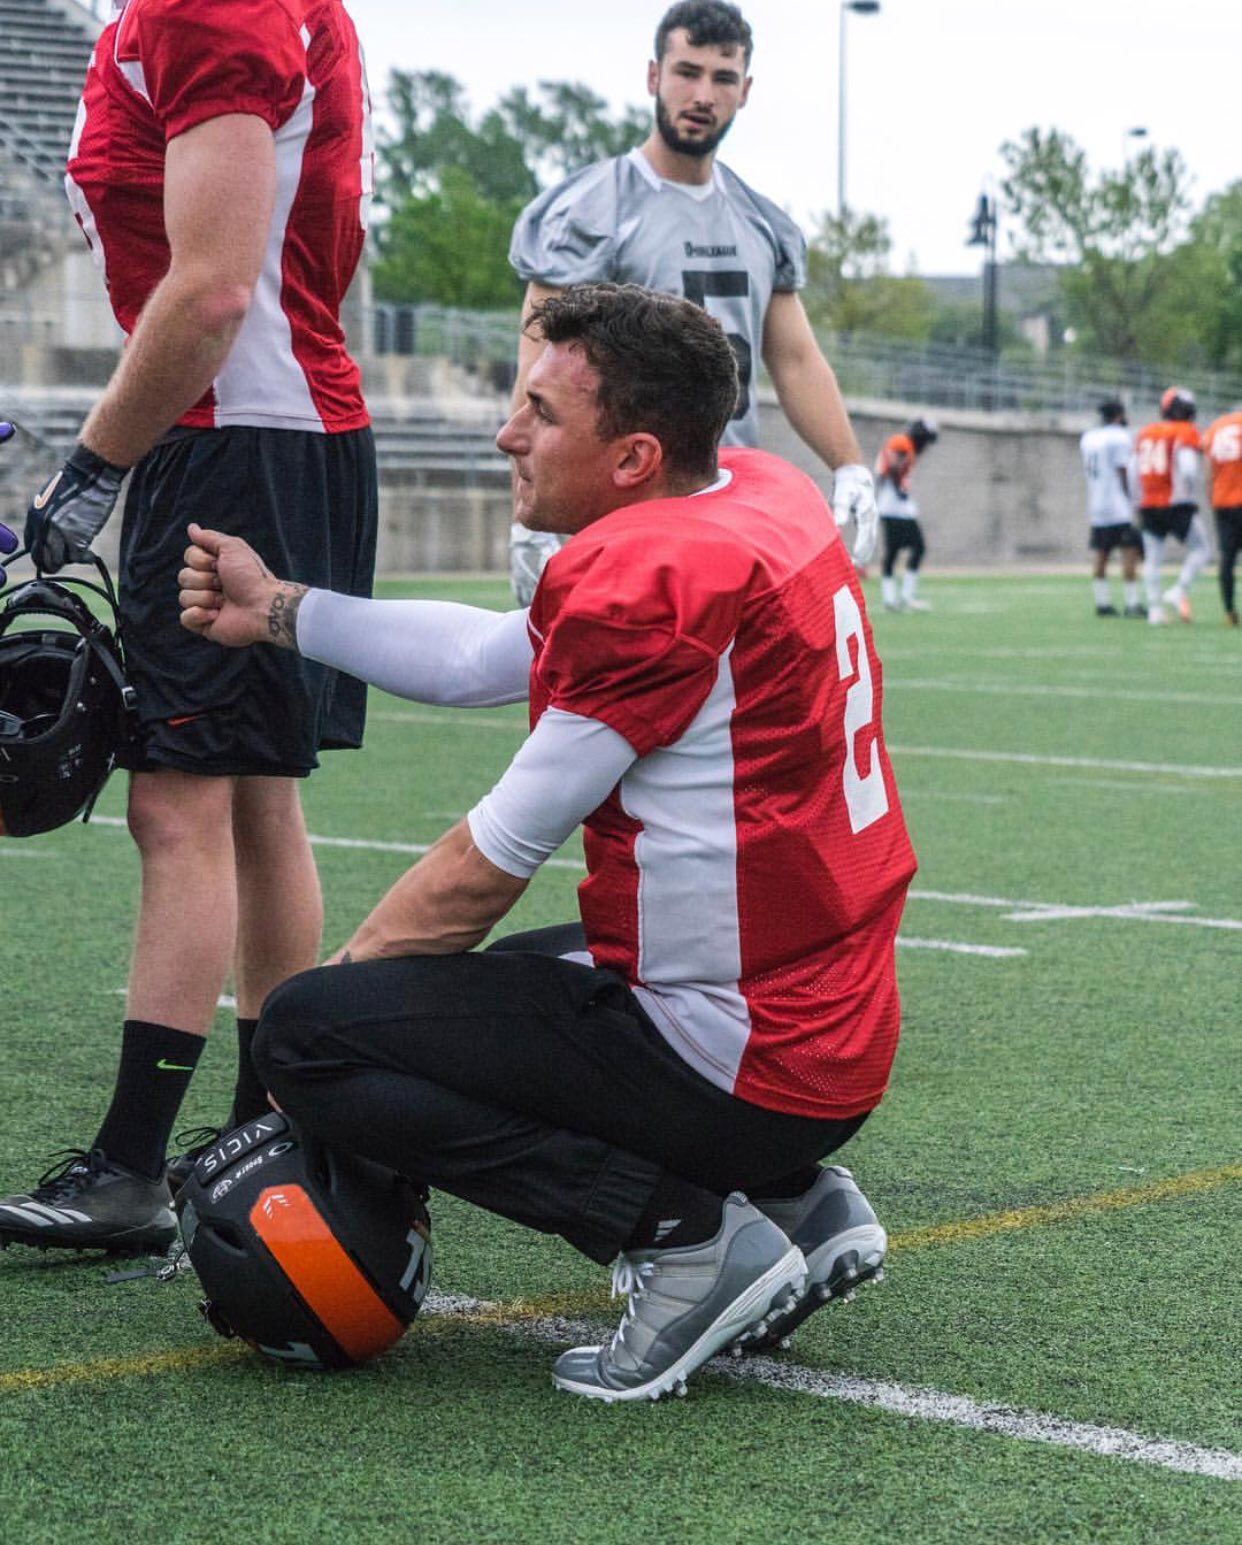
(928, 375)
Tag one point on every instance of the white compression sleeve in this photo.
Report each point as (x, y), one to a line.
(565, 769)
(429, 651)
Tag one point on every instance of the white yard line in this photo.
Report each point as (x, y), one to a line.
(1099, 764)
(898, 1399)
(1049, 911)
(1047, 689)
(992, 951)
(1018, 911)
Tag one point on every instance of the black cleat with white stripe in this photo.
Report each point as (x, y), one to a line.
(86, 1202)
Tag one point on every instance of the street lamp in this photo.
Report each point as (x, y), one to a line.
(863, 8)
(983, 230)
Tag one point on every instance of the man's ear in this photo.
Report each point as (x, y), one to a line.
(641, 461)
(653, 77)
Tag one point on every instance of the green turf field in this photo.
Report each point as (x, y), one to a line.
(1054, 1354)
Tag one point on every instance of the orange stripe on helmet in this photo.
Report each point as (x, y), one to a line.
(330, 1284)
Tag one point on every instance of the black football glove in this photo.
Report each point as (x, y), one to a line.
(66, 517)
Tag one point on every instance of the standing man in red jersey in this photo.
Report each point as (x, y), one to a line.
(1222, 446)
(221, 172)
(706, 703)
(1167, 454)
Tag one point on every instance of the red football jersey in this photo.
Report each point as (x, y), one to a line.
(161, 68)
(1155, 449)
(747, 875)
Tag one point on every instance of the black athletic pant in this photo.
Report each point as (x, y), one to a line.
(1229, 534)
(902, 532)
(532, 1086)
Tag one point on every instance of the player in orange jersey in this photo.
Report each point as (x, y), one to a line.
(899, 514)
(1168, 459)
(1222, 446)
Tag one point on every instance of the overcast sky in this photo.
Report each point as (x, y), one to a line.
(933, 87)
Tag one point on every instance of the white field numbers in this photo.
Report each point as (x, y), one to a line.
(866, 798)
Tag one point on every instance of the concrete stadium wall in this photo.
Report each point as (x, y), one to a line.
(996, 489)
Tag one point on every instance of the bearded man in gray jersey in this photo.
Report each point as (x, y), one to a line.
(670, 217)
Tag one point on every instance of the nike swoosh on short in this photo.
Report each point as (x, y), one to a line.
(185, 718)
(172, 1067)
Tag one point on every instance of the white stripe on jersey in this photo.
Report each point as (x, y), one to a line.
(686, 856)
(367, 167)
(77, 199)
(262, 381)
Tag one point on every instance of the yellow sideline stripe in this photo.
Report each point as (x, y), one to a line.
(1061, 1212)
(116, 1367)
(23, 1379)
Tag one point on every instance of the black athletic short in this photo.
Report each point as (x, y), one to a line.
(1168, 520)
(1121, 533)
(308, 505)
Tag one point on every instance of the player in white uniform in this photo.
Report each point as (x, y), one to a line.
(670, 217)
(1107, 450)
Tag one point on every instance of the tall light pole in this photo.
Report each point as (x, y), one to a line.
(863, 8)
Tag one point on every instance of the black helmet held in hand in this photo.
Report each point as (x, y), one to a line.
(65, 705)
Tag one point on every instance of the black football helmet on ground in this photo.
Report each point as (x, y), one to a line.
(65, 705)
(314, 1257)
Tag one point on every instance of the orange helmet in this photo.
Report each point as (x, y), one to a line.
(1178, 403)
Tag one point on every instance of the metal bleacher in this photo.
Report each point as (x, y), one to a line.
(44, 52)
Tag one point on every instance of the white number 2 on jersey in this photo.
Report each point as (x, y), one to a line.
(866, 798)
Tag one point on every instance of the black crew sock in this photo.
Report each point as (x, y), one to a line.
(249, 1095)
(157, 1064)
(677, 1214)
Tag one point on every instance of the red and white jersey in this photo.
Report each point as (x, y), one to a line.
(1156, 449)
(747, 874)
(161, 68)
(1222, 444)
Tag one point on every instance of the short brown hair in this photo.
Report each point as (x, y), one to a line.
(706, 22)
(665, 366)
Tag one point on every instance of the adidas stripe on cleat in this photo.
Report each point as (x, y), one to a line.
(88, 1203)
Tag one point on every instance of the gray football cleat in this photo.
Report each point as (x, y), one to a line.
(88, 1203)
(684, 1305)
(833, 1224)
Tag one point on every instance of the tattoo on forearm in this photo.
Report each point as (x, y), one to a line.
(282, 615)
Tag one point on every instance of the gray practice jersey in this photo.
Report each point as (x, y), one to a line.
(722, 246)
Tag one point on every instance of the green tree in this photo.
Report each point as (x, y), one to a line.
(452, 186)
(1112, 234)
(1215, 258)
(568, 128)
(849, 288)
(449, 246)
